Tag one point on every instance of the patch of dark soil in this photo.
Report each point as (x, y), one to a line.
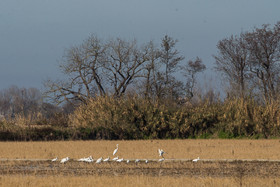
(174, 169)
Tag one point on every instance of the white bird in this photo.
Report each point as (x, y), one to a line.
(127, 161)
(116, 158)
(64, 160)
(160, 152)
(106, 159)
(146, 161)
(137, 160)
(119, 160)
(98, 161)
(81, 159)
(161, 160)
(55, 159)
(195, 160)
(116, 150)
(89, 159)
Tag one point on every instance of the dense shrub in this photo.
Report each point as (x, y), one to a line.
(137, 118)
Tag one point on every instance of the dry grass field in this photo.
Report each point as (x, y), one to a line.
(176, 149)
(134, 181)
(168, 173)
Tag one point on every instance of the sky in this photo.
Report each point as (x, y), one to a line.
(34, 34)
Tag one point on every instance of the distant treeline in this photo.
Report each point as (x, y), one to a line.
(118, 89)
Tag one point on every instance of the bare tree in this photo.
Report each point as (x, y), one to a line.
(124, 63)
(190, 71)
(83, 66)
(232, 61)
(170, 58)
(156, 74)
(98, 68)
(151, 71)
(264, 46)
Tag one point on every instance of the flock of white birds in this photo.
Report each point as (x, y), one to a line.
(116, 159)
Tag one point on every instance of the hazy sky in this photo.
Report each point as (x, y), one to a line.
(35, 33)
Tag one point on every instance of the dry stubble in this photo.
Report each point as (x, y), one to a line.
(177, 149)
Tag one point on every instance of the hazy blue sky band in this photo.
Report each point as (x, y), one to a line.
(35, 33)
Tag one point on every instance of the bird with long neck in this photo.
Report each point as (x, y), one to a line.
(161, 152)
(116, 150)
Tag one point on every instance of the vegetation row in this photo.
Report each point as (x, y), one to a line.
(137, 118)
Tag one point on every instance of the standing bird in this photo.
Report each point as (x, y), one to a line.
(64, 160)
(55, 159)
(161, 160)
(161, 152)
(116, 150)
(106, 159)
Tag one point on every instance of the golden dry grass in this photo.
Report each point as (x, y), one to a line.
(179, 149)
(133, 181)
